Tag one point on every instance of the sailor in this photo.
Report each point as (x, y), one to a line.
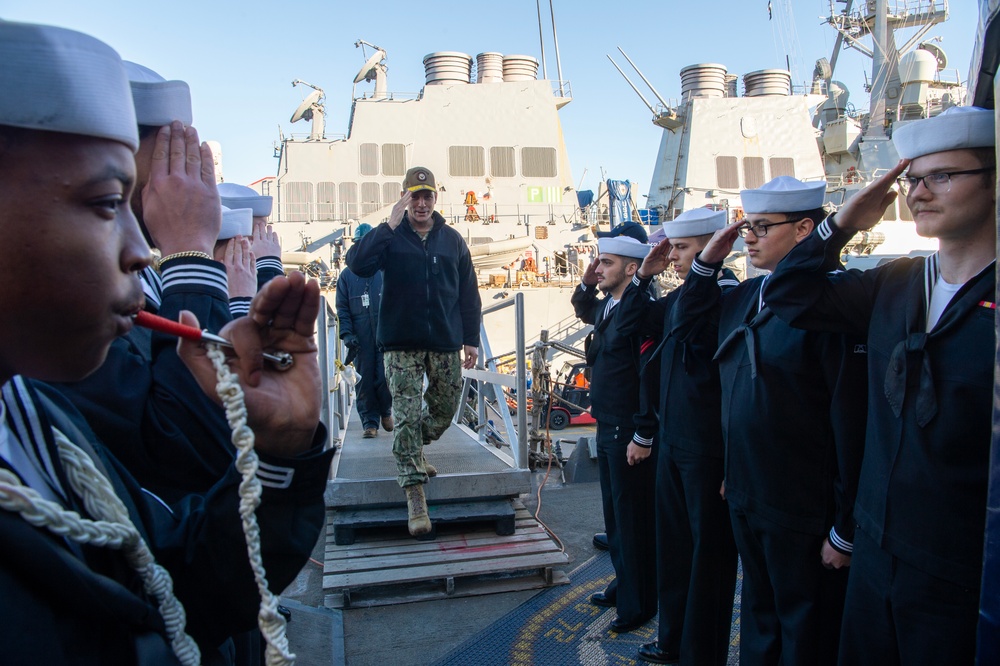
(358, 302)
(79, 585)
(233, 251)
(913, 596)
(173, 440)
(624, 468)
(793, 424)
(429, 319)
(264, 241)
(696, 553)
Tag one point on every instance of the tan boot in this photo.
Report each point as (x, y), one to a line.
(387, 423)
(429, 468)
(416, 506)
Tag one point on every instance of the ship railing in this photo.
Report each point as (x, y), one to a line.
(370, 96)
(335, 381)
(562, 89)
(302, 136)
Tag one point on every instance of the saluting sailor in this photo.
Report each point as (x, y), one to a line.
(913, 596)
(695, 550)
(79, 537)
(626, 474)
(793, 423)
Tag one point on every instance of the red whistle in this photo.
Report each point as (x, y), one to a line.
(154, 322)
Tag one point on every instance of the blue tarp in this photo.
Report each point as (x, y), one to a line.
(585, 198)
(619, 201)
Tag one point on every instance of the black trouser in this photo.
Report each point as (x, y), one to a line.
(791, 606)
(374, 400)
(696, 558)
(896, 614)
(627, 497)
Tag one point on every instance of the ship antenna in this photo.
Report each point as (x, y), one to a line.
(645, 80)
(629, 81)
(541, 38)
(555, 40)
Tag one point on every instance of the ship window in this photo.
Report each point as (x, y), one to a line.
(369, 159)
(538, 162)
(326, 201)
(466, 161)
(727, 172)
(390, 192)
(753, 172)
(393, 159)
(904, 211)
(370, 200)
(298, 198)
(349, 200)
(781, 166)
(502, 161)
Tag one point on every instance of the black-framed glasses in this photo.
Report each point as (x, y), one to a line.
(760, 230)
(936, 183)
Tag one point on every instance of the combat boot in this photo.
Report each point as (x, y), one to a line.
(416, 506)
(430, 469)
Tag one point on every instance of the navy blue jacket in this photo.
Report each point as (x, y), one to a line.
(922, 492)
(793, 410)
(430, 296)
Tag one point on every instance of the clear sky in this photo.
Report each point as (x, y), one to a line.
(240, 58)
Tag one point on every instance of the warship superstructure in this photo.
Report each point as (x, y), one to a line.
(716, 141)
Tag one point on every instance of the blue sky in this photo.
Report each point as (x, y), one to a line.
(240, 58)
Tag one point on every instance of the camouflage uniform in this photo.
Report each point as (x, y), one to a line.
(415, 427)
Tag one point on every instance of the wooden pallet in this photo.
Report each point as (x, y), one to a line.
(386, 567)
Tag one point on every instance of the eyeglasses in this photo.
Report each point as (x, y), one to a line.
(760, 230)
(936, 183)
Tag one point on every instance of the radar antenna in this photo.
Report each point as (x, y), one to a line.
(311, 109)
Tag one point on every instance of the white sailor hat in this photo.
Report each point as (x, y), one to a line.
(624, 246)
(241, 196)
(954, 129)
(784, 194)
(59, 80)
(158, 102)
(236, 222)
(697, 222)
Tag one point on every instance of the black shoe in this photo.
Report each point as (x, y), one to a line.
(652, 653)
(620, 626)
(601, 541)
(602, 600)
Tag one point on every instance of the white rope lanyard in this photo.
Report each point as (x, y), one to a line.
(271, 622)
(114, 528)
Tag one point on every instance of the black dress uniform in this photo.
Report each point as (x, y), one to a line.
(66, 603)
(626, 491)
(696, 553)
(793, 423)
(921, 502)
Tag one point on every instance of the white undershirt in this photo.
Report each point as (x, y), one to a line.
(940, 298)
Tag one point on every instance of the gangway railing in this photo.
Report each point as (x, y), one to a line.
(490, 383)
(336, 399)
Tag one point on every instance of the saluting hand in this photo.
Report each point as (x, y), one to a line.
(721, 244)
(396, 216)
(864, 210)
(657, 260)
(590, 275)
(180, 203)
